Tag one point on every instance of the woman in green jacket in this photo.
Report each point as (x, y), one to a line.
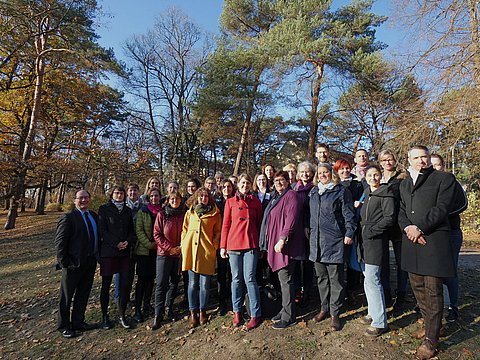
(146, 254)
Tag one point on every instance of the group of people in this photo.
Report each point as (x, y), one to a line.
(295, 222)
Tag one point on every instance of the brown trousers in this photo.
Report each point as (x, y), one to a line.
(428, 291)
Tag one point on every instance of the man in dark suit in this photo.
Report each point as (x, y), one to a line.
(426, 200)
(76, 241)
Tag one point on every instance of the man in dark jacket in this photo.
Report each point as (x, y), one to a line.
(426, 200)
(76, 241)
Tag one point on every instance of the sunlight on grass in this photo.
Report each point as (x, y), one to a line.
(30, 266)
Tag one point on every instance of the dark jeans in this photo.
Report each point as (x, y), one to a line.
(224, 279)
(428, 291)
(456, 239)
(75, 285)
(124, 293)
(330, 278)
(303, 277)
(131, 278)
(168, 276)
(287, 286)
(402, 276)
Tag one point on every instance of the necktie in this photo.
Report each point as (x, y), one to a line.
(91, 235)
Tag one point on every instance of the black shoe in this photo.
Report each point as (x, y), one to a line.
(222, 309)
(85, 327)
(375, 332)
(123, 321)
(171, 315)
(277, 317)
(106, 323)
(282, 324)
(69, 334)
(138, 317)
(452, 314)
(157, 322)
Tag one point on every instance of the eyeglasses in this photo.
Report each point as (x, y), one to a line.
(387, 160)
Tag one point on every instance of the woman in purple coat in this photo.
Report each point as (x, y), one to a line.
(283, 248)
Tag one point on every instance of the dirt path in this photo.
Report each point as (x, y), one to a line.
(28, 305)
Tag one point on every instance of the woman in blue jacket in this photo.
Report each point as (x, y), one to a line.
(332, 226)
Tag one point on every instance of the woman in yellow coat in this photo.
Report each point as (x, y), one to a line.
(200, 241)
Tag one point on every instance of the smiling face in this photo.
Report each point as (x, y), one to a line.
(154, 184)
(154, 197)
(419, 159)
(324, 175)
(437, 163)
(132, 193)
(203, 198)
(305, 174)
(344, 172)
(280, 184)
(191, 187)
(361, 158)
(388, 163)
(172, 187)
(262, 182)
(269, 171)
(82, 200)
(244, 185)
(373, 177)
(322, 154)
(174, 202)
(210, 185)
(227, 189)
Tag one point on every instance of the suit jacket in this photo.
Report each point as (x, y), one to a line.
(71, 239)
(427, 205)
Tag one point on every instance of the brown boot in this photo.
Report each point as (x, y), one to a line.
(193, 320)
(322, 315)
(421, 333)
(203, 317)
(335, 323)
(427, 350)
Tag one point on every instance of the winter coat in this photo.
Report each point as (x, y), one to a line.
(200, 241)
(427, 205)
(144, 230)
(332, 218)
(115, 227)
(241, 223)
(378, 215)
(395, 233)
(167, 232)
(281, 223)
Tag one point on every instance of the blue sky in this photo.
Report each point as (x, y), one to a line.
(125, 18)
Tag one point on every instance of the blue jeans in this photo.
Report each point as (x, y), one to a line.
(198, 290)
(456, 239)
(375, 297)
(244, 268)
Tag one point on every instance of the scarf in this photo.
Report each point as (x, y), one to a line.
(359, 171)
(322, 188)
(134, 205)
(171, 212)
(244, 197)
(154, 209)
(201, 209)
(275, 199)
(119, 205)
(300, 187)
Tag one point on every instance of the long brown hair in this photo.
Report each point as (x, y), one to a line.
(193, 200)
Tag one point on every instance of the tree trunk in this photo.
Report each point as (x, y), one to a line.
(12, 214)
(473, 7)
(42, 194)
(246, 127)
(312, 137)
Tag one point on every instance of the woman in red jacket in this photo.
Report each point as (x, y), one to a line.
(242, 218)
(167, 233)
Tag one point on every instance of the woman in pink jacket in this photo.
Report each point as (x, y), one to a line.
(242, 218)
(167, 233)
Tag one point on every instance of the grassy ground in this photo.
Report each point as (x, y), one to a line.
(28, 304)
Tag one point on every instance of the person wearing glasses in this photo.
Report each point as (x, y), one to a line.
(392, 175)
(76, 241)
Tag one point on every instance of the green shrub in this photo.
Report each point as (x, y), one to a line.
(97, 201)
(471, 216)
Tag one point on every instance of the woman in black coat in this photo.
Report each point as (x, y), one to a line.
(117, 239)
(377, 217)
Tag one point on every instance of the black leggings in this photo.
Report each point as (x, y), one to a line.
(105, 293)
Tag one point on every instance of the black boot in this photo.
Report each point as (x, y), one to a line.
(157, 322)
(139, 292)
(138, 317)
(147, 299)
(123, 321)
(106, 323)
